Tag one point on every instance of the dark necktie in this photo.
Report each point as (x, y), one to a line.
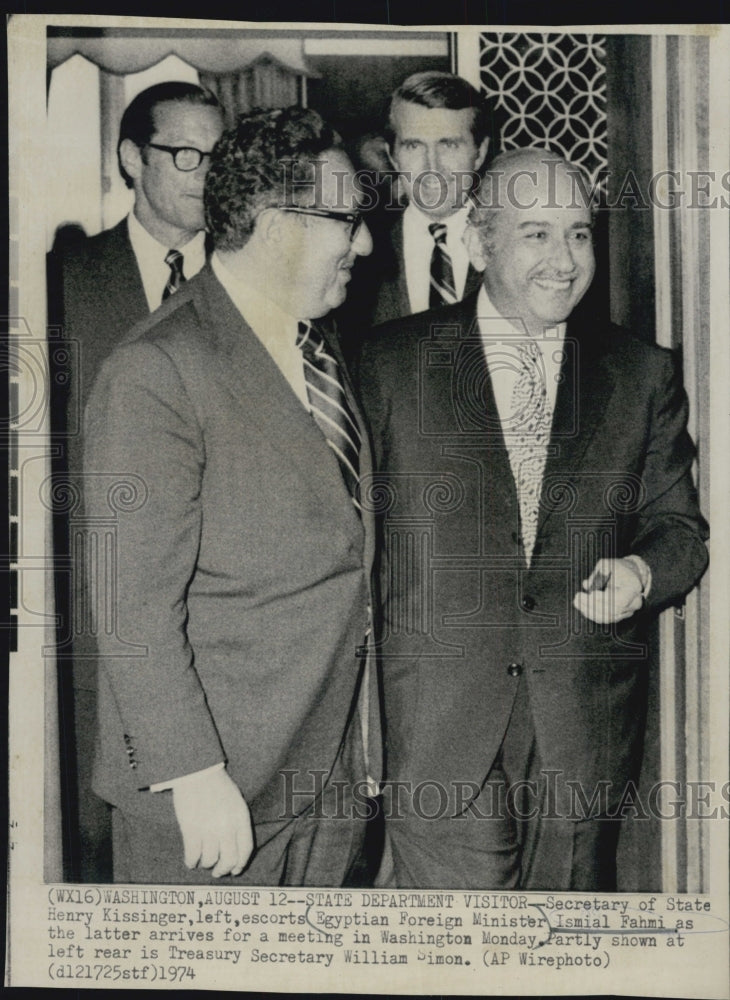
(329, 406)
(443, 288)
(174, 260)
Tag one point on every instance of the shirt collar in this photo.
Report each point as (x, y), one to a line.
(265, 317)
(492, 324)
(418, 222)
(146, 247)
(150, 256)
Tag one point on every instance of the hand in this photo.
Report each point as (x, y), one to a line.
(612, 592)
(214, 821)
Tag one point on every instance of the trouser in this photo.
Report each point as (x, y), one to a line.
(510, 836)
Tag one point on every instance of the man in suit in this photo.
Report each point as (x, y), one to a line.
(438, 137)
(539, 511)
(242, 735)
(110, 281)
(98, 288)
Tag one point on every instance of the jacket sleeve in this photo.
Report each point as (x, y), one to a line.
(144, 466)
(671, 532)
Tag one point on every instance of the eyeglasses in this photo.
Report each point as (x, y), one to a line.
(185, 158)
(353, 219)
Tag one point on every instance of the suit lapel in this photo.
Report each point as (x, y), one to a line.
(582, 399)
(583, 395)
(473, 281)
(471, 424)
(128, 297)
(247, 369)
(399, 285)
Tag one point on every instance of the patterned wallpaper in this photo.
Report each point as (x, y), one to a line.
(551, 89)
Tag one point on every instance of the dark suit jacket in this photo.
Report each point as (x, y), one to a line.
(243, 569)
(465, 616)
(100, 297)
(379, 290)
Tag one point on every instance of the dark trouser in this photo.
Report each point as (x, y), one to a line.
(318, 847)
(509, 837)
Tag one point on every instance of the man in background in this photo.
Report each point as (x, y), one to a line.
(438, 134)
(541, 513)
(110, 281)
(242, 738)
(98, 288)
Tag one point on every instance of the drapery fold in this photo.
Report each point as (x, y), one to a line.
(217, 55)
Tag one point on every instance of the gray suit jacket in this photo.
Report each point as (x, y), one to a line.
(243, 569)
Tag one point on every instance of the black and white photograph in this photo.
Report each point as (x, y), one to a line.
(368, 490)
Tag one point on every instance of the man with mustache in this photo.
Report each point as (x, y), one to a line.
(534, 478)
(242, 736)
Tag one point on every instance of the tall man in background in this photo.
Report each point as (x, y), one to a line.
(244, 734)
(438, 135)
(540, 513)
(98, 288)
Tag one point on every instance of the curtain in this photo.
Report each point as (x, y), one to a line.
(265, 84)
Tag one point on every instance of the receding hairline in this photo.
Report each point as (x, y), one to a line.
(503, 174)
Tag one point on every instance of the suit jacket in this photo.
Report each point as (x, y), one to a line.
(380, 290)
(243, 569)
(465, 616)
(100, 297)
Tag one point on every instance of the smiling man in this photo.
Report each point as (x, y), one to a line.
(243, 738)
(438, 137)
(540, 513)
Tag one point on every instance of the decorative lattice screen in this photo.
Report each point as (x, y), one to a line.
(551, 89)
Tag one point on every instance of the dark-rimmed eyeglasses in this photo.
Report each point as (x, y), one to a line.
(185, 158)
(353, 219)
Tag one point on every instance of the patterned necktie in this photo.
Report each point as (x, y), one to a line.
(443, 288)
(329, 406)
(174, 260)
(530, 423)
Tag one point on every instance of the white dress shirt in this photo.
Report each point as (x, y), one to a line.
(151, 255)
(418, 246)
(276, 329)
(499, 338)
(499, 341)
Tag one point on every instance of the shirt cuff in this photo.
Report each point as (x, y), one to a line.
(644, 574)
(164, 786)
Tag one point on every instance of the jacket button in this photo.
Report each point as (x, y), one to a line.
(514, 669)
(527, 602)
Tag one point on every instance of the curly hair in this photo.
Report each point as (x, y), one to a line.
(266, 160)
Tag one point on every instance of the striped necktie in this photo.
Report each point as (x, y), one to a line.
(174, 260)
(329, 406)
(443, 287)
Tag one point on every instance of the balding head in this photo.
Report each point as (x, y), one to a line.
(530, 232)
(528, 178)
